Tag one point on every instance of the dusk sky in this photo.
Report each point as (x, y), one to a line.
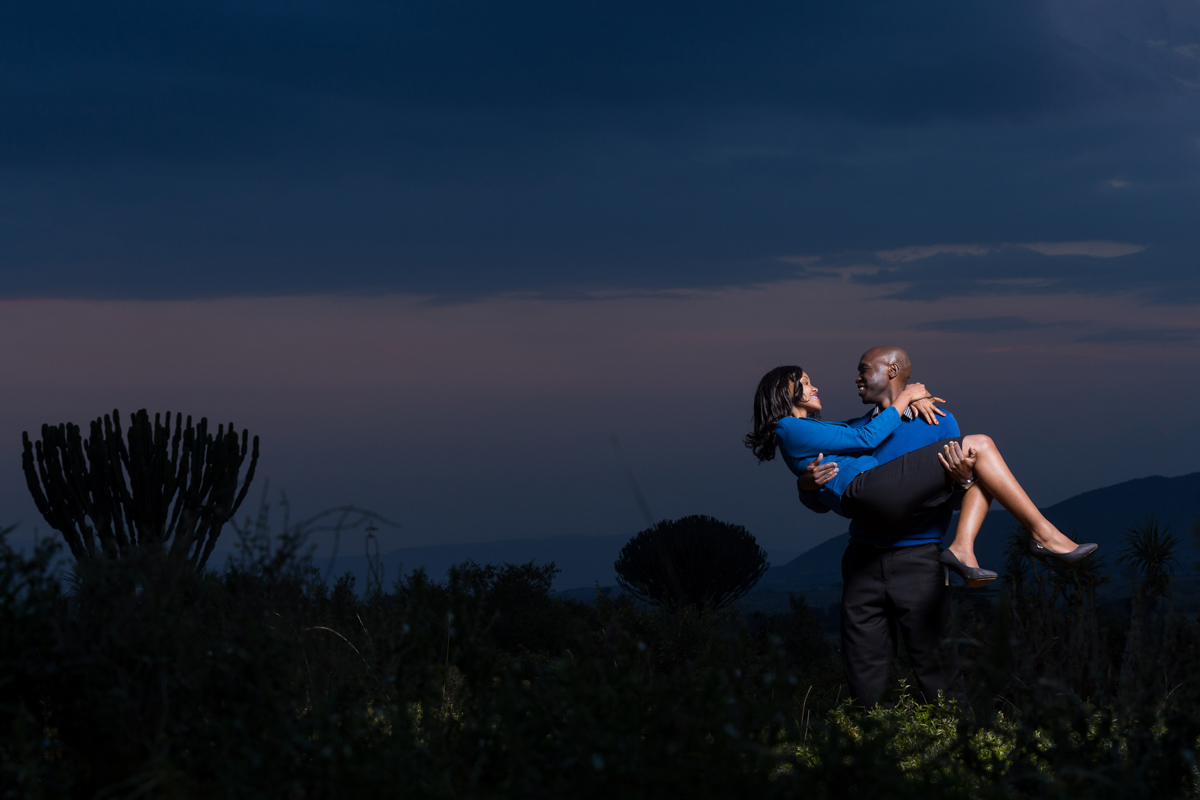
(437, 254)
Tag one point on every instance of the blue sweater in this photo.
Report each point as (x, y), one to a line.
(802, 438)
(910, 435)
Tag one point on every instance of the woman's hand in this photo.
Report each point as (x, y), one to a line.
(817, 474)
(913, 392)
(926, 409)
(960, 466)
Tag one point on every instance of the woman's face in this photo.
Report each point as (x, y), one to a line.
(804, 398)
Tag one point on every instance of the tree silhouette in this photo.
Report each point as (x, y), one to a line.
(697, 561)
(115, 494)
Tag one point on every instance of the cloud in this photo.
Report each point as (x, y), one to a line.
(1000, 324)
(1136, 336)
(933, 272)
(916, 253)
(1094, 249)
(1100, 334)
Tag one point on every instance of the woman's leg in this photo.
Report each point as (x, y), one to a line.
(975, 506)
(994, 474)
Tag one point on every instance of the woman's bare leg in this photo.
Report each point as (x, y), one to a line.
(994, 474)
(975, 506)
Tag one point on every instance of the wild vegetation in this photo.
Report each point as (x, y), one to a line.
(143, 677)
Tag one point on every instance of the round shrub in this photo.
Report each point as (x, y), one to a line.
(697, 561)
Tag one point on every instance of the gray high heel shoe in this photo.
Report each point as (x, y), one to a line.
(1078, 554)
(974, 576)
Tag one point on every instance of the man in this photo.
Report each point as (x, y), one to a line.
(893, 583)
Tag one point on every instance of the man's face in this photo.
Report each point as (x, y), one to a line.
(873, 377)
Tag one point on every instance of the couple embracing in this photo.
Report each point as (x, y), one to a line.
(898, 473)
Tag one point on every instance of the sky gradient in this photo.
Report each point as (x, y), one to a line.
(437, 254)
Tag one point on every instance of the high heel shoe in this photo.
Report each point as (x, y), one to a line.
(1078, 554)
(974, 576)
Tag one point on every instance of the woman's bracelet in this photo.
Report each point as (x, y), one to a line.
(966, 484)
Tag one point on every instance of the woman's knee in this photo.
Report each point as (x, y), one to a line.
(979, 442)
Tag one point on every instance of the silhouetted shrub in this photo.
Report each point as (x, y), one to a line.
(515, 605)
(696, 561)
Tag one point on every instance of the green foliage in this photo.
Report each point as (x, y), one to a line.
(1053, 747)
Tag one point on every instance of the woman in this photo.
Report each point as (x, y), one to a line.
(903, 491)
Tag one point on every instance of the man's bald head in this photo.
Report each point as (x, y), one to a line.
(892, 356)
(883, 373)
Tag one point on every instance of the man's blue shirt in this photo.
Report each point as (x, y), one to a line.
(911, 435)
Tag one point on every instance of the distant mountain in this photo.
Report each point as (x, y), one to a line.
(1102, 516)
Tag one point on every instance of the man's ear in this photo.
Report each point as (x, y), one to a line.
(893, 371)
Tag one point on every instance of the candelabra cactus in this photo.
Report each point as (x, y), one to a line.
(146, 491)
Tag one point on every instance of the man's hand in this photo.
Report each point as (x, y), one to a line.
(926, 409)
(960, 466)
(817, 474)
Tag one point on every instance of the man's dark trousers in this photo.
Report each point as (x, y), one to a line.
(897, 591)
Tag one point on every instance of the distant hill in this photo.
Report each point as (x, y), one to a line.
(1102, 516)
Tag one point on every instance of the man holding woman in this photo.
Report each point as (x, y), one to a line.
(898, 479)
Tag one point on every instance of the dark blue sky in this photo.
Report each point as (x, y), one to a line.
(183, 150)
(438, 253)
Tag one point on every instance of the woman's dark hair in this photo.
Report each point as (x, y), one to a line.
(772, 402)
